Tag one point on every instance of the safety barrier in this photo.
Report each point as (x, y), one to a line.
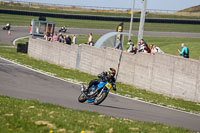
(161, 73)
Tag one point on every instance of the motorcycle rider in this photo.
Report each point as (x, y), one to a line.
(7, 27)
(108, 76)
(64, 29)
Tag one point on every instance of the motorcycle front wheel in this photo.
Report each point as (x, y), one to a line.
(100, 98)
(82, 98)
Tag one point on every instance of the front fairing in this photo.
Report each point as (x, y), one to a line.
(101, 85)
(106, 85)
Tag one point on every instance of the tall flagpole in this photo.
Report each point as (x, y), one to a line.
(142, 20)
(131, 21)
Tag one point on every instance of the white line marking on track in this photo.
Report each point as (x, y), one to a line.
(19, 39)
(7, 64)
(110, 92)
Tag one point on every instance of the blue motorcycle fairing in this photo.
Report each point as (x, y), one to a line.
(92, 87)
(101, 85)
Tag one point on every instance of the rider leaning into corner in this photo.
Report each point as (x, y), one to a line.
(108, 76)
(98, 89)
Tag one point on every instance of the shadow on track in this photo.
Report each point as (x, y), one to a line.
(114, 107)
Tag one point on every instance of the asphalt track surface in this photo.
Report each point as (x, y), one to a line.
(20, 82)
(22, 31)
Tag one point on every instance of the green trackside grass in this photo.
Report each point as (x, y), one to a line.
(25, 116)
(77, 76)
(76, 23)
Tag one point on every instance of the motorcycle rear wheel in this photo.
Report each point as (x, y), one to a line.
(101, 98)
(82, 98)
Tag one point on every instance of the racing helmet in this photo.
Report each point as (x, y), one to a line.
(111, 72)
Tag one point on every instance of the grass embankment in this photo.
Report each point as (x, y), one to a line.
(76, 23)
(76, 75)
(24, 116)
(193, 9)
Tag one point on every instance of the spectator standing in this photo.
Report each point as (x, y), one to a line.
(50, 38)
(155, 49)
(90, 40)
(142, 45)
(68, 40)
(30, 29)
(134, 50)
(46, 36)
(185, 51)
(55, 37)
(130, 44)
(74, 39)
(60, 37)
(118, 44)
(147, 49)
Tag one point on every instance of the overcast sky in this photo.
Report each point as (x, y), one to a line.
(151, 4)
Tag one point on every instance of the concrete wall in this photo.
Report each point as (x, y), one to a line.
(94, 60)
(161, 73)
(53, 52)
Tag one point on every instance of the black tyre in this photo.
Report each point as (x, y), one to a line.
(82, 98)
(101, 98)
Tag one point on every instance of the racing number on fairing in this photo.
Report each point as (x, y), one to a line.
(108, 85)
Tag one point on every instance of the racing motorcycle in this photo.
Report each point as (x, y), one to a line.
(95, 94)
(7, 27)
(63, 29)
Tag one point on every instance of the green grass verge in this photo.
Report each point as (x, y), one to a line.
(77, 76)
(93, 24)
(25, 116)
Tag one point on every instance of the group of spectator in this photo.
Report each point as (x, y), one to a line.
(143, 47)
(61, 38)
(66, 38)
(153, 49)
